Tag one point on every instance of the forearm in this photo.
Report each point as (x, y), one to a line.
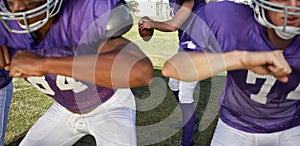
(120, 70)
(118, 64)
(166, 26)
(183, 13)
(199, 66)
(195, 66)
(180, 17)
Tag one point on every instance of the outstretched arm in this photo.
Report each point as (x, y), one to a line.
(171, 25)
(119, 64)
(194, 66)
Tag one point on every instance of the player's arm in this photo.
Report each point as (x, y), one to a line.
(170, 25)
(120, 63)
(194, 66)
(4, 57)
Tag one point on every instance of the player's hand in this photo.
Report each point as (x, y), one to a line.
(4, 58)
(267, 63)
(145, 23)
(25, 64)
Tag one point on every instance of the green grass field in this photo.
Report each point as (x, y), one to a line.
(156, 106)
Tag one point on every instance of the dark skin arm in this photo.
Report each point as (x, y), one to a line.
(118, 64)
(4, 57)
(171, 25)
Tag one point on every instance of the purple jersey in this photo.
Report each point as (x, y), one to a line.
(175, 5)
(77, 29)
(4, 78)
(250, 102)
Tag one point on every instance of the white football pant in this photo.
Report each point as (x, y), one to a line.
(228, 136)
(111, 124)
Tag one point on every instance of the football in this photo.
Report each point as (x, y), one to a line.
(146, 34)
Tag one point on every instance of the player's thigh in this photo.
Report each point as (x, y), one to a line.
(225, 135)
(5, 100)
(290, 137)
(5, 97)
(52, 129)
(114, 121)
(117, 129)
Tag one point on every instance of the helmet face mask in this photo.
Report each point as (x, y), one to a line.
(284, 31)
(43, 12)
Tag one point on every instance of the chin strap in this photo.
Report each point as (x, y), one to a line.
(285, 35)
(36, 36)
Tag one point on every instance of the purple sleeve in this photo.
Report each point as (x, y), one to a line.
(214, 31)
(81, 24)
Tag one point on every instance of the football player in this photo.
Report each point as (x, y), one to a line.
(181, 11)
(258, 46)
(74, 52)
(6, 86)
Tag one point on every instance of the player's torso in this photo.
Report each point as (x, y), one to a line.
(63, 40)
(251, 102)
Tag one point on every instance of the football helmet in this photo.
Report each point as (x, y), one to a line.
(285, 32)
(120, 21)
(50, 8)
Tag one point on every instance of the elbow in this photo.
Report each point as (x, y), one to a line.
(179, 72)
(146, 75)
(164, 70)
(143, 74)
(173, 28)
(168, 69)
(146, 79)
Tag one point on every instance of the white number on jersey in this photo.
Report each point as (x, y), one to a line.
(294, 94)
(62, 82)
(261, 96)
(41, 84)
(66, 83)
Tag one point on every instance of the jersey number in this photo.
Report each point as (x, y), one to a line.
(62, 82)
(261, 96)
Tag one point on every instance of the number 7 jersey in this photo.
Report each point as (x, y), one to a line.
(249, 102)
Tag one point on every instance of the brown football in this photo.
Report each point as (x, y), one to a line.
(146, 34)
